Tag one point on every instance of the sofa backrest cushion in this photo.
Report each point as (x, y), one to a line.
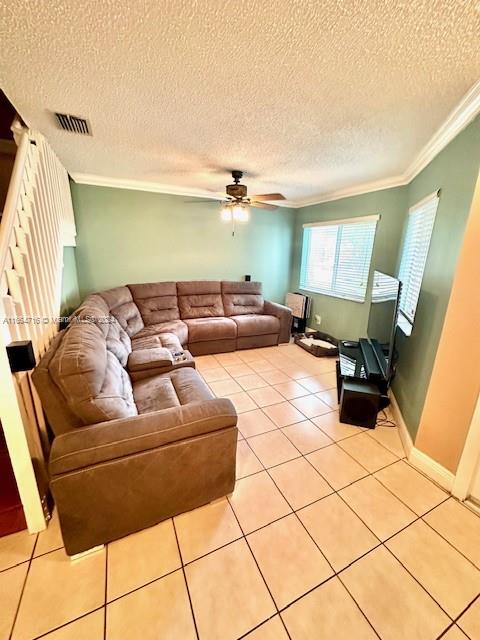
(121, 305)
(200, 299)
(118, 341)
(59, 415)
(156, 301)
(94, 384)
(240, 298)
(95, 310)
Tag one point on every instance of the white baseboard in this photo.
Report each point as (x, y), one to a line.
(405, 436)
(417, 458)
(432, 469)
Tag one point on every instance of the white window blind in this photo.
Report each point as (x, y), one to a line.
(414, 254)
(336, 257)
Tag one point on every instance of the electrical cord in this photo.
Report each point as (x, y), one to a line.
(383, 420)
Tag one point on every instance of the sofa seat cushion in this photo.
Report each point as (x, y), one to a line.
(206, 329)
(177, 327)
(172, 389)
(256, 325)
(146, 342)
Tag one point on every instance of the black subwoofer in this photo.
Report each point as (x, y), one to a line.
(359, 403)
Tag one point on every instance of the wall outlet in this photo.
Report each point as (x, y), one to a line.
(318, 319)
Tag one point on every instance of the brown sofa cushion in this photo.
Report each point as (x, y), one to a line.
(95, 310)
(144, 359)
(59, 415)
(172, 389)
(93, 382)
(146, 342)
(241, 298)
(205, 329)
(156, 301)
(175, 327)
(200, 299)
(122, 306)
(256, 325)
(118, 341)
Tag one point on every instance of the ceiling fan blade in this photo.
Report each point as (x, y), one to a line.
(268, 196)
(263, 205)
(202, 201)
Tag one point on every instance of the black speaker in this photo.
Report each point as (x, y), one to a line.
(359, 403)
(20, 356)
(248, 278)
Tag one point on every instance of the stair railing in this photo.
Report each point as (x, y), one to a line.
(37, 223)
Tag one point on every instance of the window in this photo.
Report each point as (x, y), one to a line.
(336, 257)
(414, 256)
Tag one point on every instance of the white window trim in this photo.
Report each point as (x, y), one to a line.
(420, 203)
(373, 218)
(334, 295)
(355, 220)
(404, 322)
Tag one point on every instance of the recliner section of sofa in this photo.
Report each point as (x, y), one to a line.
(204, 316)
(210, 316)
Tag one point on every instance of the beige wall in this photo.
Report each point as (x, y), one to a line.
(455, 381)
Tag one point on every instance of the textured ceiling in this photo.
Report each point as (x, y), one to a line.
(306, 96)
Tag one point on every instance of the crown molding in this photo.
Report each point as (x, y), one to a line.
(357, 190)
(142, 185)
(461, 116)
(153, 187)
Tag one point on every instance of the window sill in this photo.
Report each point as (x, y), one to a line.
(333, 295)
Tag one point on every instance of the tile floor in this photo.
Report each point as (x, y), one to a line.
(329, 533)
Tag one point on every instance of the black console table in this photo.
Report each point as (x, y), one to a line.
(361, 386)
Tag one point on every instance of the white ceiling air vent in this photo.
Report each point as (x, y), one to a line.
(74, 124)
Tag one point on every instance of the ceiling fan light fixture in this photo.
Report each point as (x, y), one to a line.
(241, 213)
(226, 214)
(235, 212)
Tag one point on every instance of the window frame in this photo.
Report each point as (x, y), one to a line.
(337, 223)
(404, 322)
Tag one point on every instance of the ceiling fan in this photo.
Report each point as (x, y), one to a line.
(237, 194)
(237, 201)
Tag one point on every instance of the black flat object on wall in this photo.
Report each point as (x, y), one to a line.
(20, 356)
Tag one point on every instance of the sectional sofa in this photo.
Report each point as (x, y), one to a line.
(138, 435)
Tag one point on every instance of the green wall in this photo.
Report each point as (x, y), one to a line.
(128, 236)
(70, 297)
(454, 171)
(345, 318)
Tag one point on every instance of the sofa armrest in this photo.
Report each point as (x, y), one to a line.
(284, 314)
(104, 441)
(143, 359)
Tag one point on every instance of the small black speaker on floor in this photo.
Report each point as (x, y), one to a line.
(359, 403)
(248, 278)
(20, 355)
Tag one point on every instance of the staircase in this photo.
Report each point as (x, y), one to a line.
(37, 223)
